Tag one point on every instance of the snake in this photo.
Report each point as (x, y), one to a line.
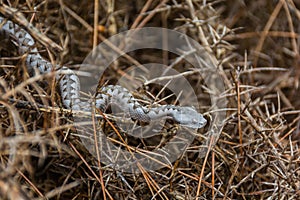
(69, 86)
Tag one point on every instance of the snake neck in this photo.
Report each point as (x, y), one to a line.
(114, 94)
(163, 111)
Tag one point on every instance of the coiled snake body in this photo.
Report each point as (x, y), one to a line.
(70, 86)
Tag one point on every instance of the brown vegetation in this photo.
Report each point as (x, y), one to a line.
(256, 156)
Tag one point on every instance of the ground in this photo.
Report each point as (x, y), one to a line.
(249, 148)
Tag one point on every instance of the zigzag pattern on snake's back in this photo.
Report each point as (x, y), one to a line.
(70, 86)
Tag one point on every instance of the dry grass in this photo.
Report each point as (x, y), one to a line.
(257, 153)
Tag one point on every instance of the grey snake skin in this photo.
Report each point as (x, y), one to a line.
(70, 86)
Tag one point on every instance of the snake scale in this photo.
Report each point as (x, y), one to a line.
(70, 86)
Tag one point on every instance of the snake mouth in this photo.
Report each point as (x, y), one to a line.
(203, 123)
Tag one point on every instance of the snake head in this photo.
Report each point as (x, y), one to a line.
(189, 117)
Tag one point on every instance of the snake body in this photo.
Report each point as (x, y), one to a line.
(70, 86)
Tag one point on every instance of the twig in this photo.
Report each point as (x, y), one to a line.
(19, 18)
